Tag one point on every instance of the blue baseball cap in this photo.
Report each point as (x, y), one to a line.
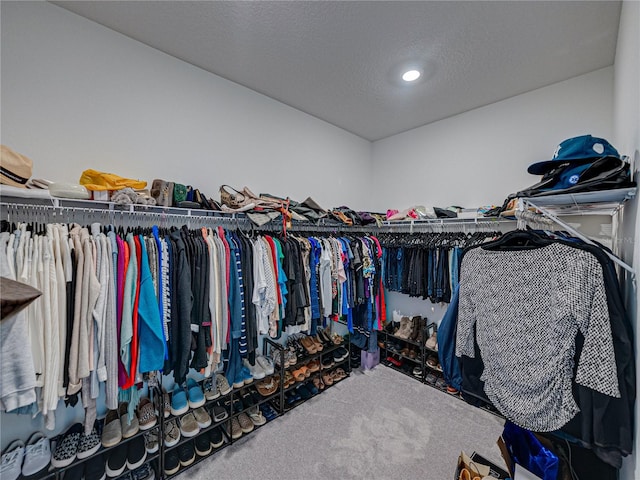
(576, 150)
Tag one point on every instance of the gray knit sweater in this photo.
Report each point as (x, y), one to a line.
(527, 307)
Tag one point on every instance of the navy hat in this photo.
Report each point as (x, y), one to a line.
(575, 150)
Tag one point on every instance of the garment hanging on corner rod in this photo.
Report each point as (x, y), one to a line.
(425, 264)
(531, 306)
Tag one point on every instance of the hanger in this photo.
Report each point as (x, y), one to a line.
(517, 239)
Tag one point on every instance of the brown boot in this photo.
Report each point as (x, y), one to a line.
(417, 327)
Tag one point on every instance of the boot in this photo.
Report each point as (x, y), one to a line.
(417, 326)
(406, 326)
(419, 329)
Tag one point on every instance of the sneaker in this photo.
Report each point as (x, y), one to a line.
(179, 403)
(189, 426)
(268, 412)
(112, 430)
(129, 427)
(117, 461)
(89, 444)
(171, 462)
(95, 469)
(202, 417)
(171, 433)
(216, 438)
(146, 414)
(266, 363)
(151, 443)
(327, 362)
(136, 454)
(11, 465)
(222, 384)
(245, 423)
(145, 472)
(194, 392)
(186, 454)
(256, 416)
(203, 445)
(211, 391)
(247, 378)
(417, 372)
(219, 413)
(236, 430)
(67, 448)
(37, 455)
(256, 371)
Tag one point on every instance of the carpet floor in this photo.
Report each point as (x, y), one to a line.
(378, 424)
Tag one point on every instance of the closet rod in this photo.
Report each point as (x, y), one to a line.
(578, 234)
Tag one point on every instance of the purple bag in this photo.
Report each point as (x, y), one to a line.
(369, 359)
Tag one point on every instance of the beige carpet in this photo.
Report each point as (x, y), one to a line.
(379, 424)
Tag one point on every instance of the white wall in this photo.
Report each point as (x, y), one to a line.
(479, 157)
(627, 140)
(77, 95)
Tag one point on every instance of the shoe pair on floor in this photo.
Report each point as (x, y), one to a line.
(27, 459)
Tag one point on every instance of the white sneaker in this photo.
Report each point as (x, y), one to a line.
(266, 363)
(37, 454)
(257, 372)
(11, 463)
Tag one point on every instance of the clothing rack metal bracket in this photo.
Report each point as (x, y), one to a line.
(526, 202)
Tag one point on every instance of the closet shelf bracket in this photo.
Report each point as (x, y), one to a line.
(565, 226)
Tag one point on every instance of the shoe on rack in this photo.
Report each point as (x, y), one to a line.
(145, 472)
(117, 461)
(222, 384)
(246, 375)
(146, 414)
(67, 448)
(245, 423)
(219, 413)
(89, 444)
(416, 329)
(171, 462)
(268, 412)
(129, 427)
(95, 469)
(431, 379)
(171, 433)
(186, 454)
(256, 371)
(313, 390)
(236, 429)
(211, 391)
(194, 392)
(216, 438)
(166, 403)
(256, 417)
(406, 326)
(417, 372)
(203, 445)
(451, 390)
(112, 430)
(37, 455)
(303, 391)
(151, 443)
(202, 417)
(266, 364)
(189, 426)
(12, 457)
(327, 362)
(179, 403)
(432, 342)
(136, 453)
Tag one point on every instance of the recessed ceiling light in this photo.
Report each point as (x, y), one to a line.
(411, 75)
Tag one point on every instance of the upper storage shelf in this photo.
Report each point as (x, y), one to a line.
(605, 202)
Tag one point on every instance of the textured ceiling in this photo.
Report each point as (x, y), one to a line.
(341, 61)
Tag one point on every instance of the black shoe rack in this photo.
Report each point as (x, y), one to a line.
(277, 401)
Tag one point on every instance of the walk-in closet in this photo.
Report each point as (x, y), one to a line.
(321, 240)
